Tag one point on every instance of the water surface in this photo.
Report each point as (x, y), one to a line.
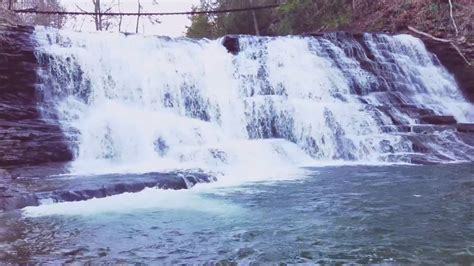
(361, 214)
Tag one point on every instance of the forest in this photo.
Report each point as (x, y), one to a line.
(441, 18)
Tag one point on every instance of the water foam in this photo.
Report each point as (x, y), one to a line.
(143, 103)
(148, 199)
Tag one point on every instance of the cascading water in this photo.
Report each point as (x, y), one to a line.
(138, 104)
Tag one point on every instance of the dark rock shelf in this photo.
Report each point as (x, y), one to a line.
(25, 138)
(451, 59)
(32, 191)
(467, 128)
(439, 119)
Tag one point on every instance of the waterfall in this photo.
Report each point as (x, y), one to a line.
(141, 103)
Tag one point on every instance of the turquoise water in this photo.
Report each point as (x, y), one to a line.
(361, 214)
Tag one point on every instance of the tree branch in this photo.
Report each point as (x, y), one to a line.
(451, 42)
(428, 35)
(452, 17)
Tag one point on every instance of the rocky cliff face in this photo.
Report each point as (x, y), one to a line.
(25, 138)
(430, 16)
(453, 61)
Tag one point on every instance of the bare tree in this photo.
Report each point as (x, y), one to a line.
(97, 16)
(120, 17)
(138, 17)
(452, 17)
(51, 20)
(101, 21)
(154, 19)
(255, 22)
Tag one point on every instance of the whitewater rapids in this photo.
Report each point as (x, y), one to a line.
(135, 104)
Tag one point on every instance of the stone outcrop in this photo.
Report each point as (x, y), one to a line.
(25, 191)
(453, 61)
(231, 43)
(7, 17)
(25, 138)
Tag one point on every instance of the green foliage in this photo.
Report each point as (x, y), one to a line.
(434, 8)
(295, 15)
(242, 22)
(406, 4)
(200, 27)
(211, 26)
(292, 17)
(300, 16)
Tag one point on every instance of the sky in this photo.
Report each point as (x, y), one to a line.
(173, 26)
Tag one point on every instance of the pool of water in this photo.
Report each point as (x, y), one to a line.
(361, 214)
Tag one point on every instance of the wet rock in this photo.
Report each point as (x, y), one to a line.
(103, 252)
(25, 138)
(427, 153)
(426, 129)
(467, 128)
(34, 191)
(422, 160)
(415, 111)
(232, 44)
(17, 200)
(467, 138)
(455, 64)
(394, 128)
(439, 119)
(161, 147)
(75, 252)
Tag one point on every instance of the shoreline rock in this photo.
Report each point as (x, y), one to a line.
(25, 192)
(25, 138)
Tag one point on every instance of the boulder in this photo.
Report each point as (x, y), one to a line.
(25, 138)
(464, 127)
(438, 119)
(232, 44)
(428, 129)
(25, 192)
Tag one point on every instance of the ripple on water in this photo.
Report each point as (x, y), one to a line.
(328, 218)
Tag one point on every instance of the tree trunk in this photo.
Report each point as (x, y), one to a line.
(255, 22)
(452, 17)
(120, 18)
(97, 16)
(138, 17)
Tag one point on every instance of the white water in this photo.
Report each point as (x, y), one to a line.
(140, 104)
(187, 200)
